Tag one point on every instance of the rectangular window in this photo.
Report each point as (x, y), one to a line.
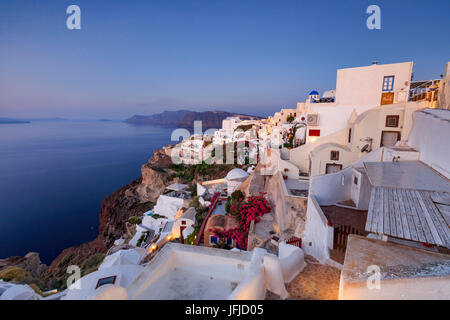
(332, 168)
(334, 155)
(183, 222)
(314, 132)
(230, 242)
(349, 135)
(355, 180)
(388, 83)
(389, 138)
(213, 240)
(392, 121)
(107, 280)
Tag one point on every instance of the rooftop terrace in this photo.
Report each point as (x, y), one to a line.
(409, 200)
(405, 175)
(191, 273)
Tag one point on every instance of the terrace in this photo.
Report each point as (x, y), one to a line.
(410, 201)
(296, 187)
(182, 272)
(405, 272)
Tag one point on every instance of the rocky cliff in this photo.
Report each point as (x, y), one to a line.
(185, 119)
(27, 269)
(132, 200)
(167, 118)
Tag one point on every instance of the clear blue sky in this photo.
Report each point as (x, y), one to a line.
(142, 57)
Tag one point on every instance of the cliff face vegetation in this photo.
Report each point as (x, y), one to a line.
(27, 269)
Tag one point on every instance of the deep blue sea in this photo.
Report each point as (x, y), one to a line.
(54, 175)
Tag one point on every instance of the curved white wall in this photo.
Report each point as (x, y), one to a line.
(429, 136)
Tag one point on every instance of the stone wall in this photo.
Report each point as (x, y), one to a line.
(289, 211)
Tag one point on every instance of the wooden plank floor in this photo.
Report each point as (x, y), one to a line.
(410, 214)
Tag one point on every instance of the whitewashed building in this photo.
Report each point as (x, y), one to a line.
(394, 203)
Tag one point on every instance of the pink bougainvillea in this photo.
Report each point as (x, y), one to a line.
(245, 212)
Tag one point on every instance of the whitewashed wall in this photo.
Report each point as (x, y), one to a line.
(363, 85)
(317, 237)
(321, 156)
(300, 156)
(331, 188)
(430, 136)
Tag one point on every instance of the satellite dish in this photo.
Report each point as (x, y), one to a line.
(365, 148)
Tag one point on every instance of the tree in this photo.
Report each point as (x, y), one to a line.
(294, 131)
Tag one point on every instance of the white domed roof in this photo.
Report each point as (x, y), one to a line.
(329, 94)
(236, 174)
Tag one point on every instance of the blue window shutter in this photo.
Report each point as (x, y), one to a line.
(388, 83)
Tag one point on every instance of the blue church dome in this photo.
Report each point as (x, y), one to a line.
(314, 93)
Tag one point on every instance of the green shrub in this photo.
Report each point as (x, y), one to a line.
(61, 283)
(177, 167)
(134, 220)
(14, 273)
(92, 263)
(201, 215)
(202, 210)
(195, 202)
(142, 238)
(190, 239)
(158, 216)
(236, 197)
(193, 190)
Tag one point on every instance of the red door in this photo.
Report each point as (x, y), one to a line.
(181, 233)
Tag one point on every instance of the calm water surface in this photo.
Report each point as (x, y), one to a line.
(54, 175)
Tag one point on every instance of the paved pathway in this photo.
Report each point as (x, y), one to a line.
(315, 282)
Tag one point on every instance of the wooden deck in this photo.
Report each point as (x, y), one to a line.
(410, 214)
